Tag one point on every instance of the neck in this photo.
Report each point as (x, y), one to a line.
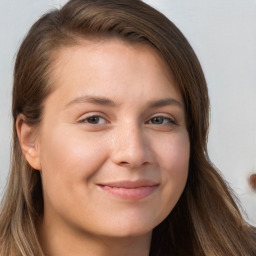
(60, 240)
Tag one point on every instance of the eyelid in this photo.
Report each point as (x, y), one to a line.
(92, 114)
(164, 116)
(85, 116)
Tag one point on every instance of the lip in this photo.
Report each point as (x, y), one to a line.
(130, 190)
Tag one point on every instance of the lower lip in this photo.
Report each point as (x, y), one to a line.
(132, 194)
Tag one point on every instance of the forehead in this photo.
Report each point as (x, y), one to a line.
(111, 64)
(95, 45)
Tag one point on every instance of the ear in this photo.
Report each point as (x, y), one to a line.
(28, 142)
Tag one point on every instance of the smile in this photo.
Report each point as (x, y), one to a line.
(129, 190)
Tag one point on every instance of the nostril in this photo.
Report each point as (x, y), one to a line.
(252, 181)
(132, 164)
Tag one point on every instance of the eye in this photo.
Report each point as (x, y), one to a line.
(94, 120)
(161, 120)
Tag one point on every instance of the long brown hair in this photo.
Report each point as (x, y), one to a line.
(206, 219)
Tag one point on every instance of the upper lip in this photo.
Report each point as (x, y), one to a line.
(130, 184)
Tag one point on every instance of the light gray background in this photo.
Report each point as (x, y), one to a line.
(223, 34)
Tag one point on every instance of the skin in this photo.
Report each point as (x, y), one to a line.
(100, 125)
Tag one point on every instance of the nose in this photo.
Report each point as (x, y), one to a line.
(130, 147)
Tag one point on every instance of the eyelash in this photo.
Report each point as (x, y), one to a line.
(166, 121)
(86, 120)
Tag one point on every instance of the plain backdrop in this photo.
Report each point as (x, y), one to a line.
(222, 33)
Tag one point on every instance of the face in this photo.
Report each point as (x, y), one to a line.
(113, 146)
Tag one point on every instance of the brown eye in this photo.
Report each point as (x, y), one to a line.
(94, 120)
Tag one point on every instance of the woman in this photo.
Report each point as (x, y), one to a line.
(110, 109)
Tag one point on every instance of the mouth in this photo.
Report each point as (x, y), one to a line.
(130, 190)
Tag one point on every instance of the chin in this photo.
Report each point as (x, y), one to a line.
(130, 227)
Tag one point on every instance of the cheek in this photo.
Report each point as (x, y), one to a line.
(69, 157)
(174, 162)
(174, 153)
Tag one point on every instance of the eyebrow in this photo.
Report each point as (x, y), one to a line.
(165, 102)
(103, 101)
(94, 100)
